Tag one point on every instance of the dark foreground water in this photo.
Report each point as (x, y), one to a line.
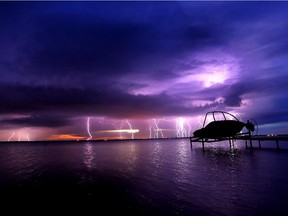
(154, 177)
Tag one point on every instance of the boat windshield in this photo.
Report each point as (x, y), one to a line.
(218, 116)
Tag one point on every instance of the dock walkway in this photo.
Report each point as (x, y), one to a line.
(248, 139)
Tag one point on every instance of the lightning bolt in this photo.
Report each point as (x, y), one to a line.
(12, 135)
(27, 135)
(181, 129)
(200, 121)
(157, 130)
(120, 130)
(21, 133)
(189, 130)
(132, 134)
(88, 129)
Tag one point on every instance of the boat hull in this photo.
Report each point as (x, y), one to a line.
(218, 129)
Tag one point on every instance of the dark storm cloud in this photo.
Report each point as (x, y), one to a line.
(68, 59)
(41, 120)
(72, 46)
(274, 116)
(276, 44)
(272, 82)
(82, 102)
(73, 42)
(201, 35)
(257, 86)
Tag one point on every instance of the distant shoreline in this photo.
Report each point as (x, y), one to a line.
(266, 136)
(95, 140)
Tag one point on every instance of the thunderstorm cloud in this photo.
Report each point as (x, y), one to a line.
(61, 61)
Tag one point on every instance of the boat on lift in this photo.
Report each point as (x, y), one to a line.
(227, 127)
(220, 126)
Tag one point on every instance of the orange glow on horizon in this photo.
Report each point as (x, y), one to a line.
(66, 137)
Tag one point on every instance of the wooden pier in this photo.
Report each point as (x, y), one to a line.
(247, 138)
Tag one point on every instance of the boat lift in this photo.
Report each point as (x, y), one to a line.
(229, 127)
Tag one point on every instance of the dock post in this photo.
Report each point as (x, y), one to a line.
(277, 143)
(251, 146)
(203, 144)
(259, 143)
(191, 142)
(231, 143)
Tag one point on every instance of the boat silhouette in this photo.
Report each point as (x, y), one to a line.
(229, 126)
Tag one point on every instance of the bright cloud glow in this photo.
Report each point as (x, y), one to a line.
(120, 131)
(209, 75)
(215, 75)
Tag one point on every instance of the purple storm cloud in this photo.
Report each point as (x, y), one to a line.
(153, 68)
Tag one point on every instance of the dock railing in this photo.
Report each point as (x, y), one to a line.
(247, 137)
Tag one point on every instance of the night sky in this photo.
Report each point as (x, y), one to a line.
(140, 69)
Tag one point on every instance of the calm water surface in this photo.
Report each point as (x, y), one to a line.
(148, 177)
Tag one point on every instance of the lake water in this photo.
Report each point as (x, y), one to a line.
(143, 177)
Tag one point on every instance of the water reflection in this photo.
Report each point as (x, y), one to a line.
(156, 158)
(181, 163)
(23, 162)
(223, 170)
(131, 160)
(166, 176)
(182, 170)
(128, 158)
(88, 155)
